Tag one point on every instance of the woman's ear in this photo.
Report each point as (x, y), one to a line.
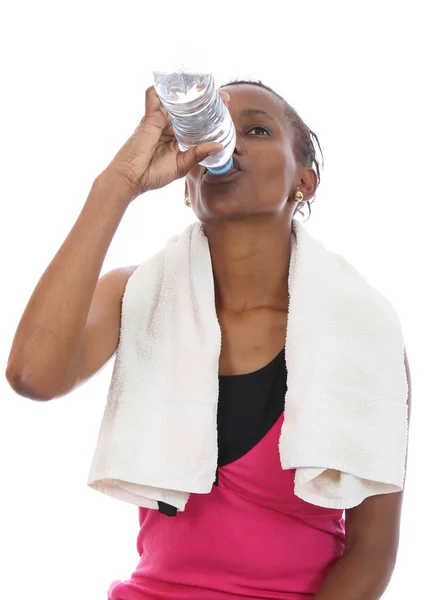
(309, 183)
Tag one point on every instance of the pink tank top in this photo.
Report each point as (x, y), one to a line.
(250, 537)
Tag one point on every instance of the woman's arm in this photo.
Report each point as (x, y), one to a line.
(360, 574)
(46, 354)
(52, 349)
(372, 538)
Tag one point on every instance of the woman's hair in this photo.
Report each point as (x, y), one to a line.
(306, 140)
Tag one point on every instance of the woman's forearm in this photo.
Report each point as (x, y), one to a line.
(358, 575)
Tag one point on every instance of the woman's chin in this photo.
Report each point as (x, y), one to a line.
(220, 207)
(223, 197)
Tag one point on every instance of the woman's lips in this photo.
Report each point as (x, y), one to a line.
(225, 178)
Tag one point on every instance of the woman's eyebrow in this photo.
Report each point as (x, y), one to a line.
(253, 112)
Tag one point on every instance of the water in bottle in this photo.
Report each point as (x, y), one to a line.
(198, 114)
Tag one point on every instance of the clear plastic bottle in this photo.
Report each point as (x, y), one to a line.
(198, 114)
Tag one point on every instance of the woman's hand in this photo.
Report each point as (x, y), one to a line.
(151, 157)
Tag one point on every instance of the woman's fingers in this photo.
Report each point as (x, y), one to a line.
(168, 131)
(152, 101)
(225, 97)
(187, 160)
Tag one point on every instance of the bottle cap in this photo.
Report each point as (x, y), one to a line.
(223, 169)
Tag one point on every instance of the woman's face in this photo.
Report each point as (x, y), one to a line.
(268, 173)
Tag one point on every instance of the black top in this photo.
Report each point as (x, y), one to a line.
(248, 407)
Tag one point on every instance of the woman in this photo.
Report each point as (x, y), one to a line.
(251, 537)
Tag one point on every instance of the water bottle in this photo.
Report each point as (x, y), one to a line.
(198, 114)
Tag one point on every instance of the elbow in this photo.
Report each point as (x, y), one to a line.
(25, 388)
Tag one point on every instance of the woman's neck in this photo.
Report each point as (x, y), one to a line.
(250, 259)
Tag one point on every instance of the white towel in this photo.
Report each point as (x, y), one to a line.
(345, 427)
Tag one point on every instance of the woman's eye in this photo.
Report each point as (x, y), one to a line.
(259, 130)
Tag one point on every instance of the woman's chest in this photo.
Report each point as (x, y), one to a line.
(250, 340)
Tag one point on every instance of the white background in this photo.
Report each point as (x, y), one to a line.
(73, 82)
